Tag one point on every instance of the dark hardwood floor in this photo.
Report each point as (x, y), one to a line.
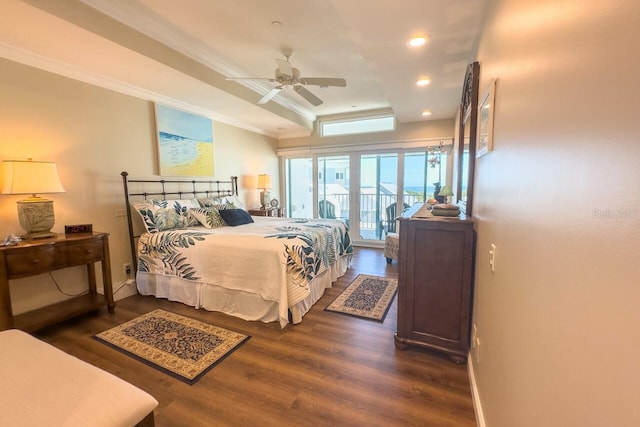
(331, 369)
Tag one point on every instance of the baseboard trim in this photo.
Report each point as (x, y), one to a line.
(477, 406)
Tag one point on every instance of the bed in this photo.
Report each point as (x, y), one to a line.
(259, 268)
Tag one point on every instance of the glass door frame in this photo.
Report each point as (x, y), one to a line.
(354, 177)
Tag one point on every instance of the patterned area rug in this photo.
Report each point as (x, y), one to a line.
(367, 296)
(182, 347)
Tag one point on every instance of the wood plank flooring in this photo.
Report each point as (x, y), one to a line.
(330, 370)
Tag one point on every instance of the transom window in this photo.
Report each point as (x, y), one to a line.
(360, 125)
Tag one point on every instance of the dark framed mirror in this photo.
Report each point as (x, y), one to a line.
(466, 144)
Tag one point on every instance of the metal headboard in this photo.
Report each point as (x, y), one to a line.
(171, 187)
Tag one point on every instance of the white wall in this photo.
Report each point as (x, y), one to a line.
(93, 134)
(559, 196)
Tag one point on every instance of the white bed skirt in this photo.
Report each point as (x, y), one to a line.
(238, 303)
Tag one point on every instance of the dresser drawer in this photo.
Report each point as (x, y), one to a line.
(84, 252)
(35, 260)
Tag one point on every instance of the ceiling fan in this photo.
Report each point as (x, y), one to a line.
(288, 76)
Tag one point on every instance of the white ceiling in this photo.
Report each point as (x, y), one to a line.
(204, 41)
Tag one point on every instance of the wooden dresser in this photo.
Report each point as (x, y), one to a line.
(32, 257)
(435, 284)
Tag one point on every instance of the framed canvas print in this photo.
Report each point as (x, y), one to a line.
(185, 143)
(485, 120)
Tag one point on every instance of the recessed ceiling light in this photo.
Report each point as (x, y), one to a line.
(417, 41)
(426, 113)
(423, 81)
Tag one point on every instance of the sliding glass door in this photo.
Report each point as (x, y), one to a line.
(378, 193)
(299, 187)
(333, 187)
(424, 174)
(367, 190)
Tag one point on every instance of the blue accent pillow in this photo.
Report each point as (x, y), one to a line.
(235, 217)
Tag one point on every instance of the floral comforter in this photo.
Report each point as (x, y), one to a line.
(275, 258)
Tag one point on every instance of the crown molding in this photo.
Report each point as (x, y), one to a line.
(41, 62)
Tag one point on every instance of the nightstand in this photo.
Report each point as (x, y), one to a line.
(32, 257)
(279, 212)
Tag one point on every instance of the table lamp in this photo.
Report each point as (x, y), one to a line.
(28, 177)
(264, 182)
(446, 192)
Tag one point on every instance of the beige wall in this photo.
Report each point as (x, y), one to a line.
(559, 196)
(93, 134)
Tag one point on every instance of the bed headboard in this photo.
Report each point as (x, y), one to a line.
(141, 189)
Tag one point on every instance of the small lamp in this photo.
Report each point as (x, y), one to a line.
(264, 182)
(29, 177)
(445, 192)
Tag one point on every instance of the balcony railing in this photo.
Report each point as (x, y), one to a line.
(373, 210)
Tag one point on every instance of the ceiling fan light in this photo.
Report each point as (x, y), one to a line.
(417, 41)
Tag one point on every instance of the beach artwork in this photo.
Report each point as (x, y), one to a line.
(185, 143)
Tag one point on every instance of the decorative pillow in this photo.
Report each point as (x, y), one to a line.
(212, 201)
(209, 217)
(234, 201)
(235, 217)
(161, 215)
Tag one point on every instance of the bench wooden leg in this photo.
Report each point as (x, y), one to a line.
(148, 421)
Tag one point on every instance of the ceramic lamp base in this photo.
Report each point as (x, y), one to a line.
(265, 198)
(36, 217)
(41, 235)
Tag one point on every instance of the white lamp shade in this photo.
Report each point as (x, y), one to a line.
(264, 181)
(29, 177)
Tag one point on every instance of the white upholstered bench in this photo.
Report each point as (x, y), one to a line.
(43, 386)
(391, 247)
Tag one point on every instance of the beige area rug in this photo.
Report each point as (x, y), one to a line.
(182, 347)
(367, 296)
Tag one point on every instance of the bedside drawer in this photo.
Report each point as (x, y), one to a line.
(84, 253)
(34, 260)
(41, 256)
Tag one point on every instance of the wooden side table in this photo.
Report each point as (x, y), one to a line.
(277, 212)
(32, 257)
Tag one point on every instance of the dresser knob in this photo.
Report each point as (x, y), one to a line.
(35, 260)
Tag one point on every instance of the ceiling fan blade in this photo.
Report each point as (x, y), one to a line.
(273, 92)
(268, 79)
(323, 81)
(303, 92)
(285, 68)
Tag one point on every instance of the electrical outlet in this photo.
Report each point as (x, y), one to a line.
(126, 269)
